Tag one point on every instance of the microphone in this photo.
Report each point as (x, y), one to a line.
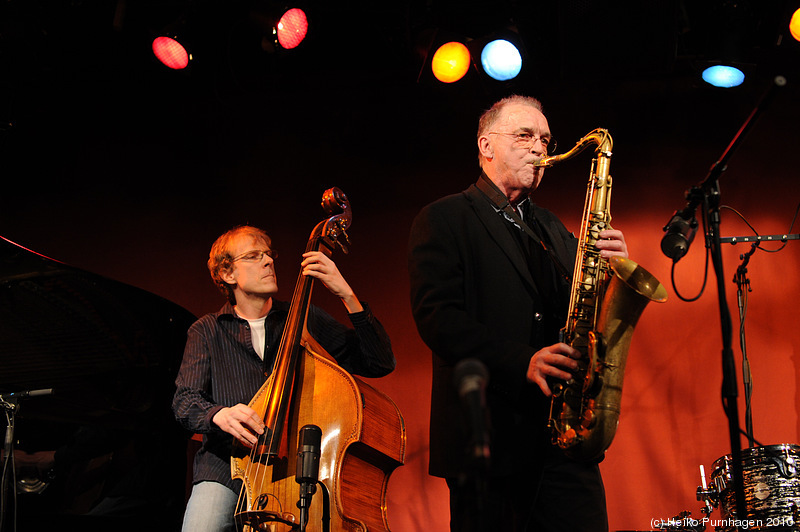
(30, 393)
(307, 468)
(680, 232)
(308, 452)
(11, 400)
(470, 377)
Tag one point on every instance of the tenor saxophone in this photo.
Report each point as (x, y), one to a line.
(607, 297)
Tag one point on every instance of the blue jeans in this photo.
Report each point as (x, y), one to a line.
(210, 508)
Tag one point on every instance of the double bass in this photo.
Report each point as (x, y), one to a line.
(362, 431)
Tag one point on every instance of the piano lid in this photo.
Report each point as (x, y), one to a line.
(109, 351)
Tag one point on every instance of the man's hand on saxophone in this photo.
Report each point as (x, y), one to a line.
(555, 362)
(612, 244)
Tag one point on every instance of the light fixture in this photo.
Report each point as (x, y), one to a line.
(794, 25)
(725, 76)
(501, 60)
(451, 62)
(499, 55)
(728, 52)
(171, 52)
(281, 29)
(292, 28)
(172, 45)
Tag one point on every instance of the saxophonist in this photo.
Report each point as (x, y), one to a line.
(489, 274)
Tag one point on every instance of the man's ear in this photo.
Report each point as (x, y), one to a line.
(226, 275)
(485, 147)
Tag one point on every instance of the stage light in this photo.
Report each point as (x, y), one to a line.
(171, 53)
(450, 62)
(501, 60)
(292, 28)
(723, 76)
(794, 25)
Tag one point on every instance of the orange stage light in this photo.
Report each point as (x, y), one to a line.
(794, 25)
(450, 62)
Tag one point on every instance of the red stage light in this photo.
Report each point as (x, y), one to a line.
(292, 28)
(171, 52)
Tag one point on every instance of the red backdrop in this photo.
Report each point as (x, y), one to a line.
(672, 418)
(142, 229)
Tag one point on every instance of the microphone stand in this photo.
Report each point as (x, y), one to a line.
(743, 286)
(8, 478)
(307, 491)
(470, 377)
(326, 507)
(707, 193)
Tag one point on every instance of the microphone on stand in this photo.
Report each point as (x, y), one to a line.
(27, 393)
(470, 377)
(308, 452)
(680, 232)
(307, 469)
(10, 403)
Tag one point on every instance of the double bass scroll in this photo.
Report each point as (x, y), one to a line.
(363, 432)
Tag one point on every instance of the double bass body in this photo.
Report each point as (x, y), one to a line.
(363, 438)
(362, 443)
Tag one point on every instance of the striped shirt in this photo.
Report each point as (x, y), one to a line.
(221, 368)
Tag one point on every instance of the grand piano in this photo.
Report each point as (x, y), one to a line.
(102, 451)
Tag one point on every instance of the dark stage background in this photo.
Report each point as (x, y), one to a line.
(117, 166)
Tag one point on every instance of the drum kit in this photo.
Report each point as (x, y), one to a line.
(771, 492)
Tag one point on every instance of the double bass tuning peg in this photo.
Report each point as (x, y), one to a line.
(344, 242)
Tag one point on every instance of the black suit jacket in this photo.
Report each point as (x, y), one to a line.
(473, 295)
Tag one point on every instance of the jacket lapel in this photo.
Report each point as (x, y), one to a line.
(552, 236)
(495, 226)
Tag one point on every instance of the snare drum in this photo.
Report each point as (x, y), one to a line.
(771, 488)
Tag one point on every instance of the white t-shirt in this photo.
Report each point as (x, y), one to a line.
(257, 335)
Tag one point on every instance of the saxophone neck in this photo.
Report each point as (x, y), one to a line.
(599, 137)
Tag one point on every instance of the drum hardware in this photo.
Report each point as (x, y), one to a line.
(707, 496)
(787, 466)
(683, 522)
(771, 490)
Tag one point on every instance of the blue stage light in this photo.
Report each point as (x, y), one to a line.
(723, 76)
(501, 60)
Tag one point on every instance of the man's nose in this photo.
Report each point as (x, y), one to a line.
(538, 147)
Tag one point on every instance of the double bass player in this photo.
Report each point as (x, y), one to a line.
(229, 352)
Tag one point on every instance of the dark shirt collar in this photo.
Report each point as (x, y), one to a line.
(496, 195)
(278, 308)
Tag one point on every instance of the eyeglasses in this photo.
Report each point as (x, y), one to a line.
(527, 140)
(256, 255)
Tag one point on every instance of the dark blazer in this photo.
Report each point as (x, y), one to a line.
(473, 295)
